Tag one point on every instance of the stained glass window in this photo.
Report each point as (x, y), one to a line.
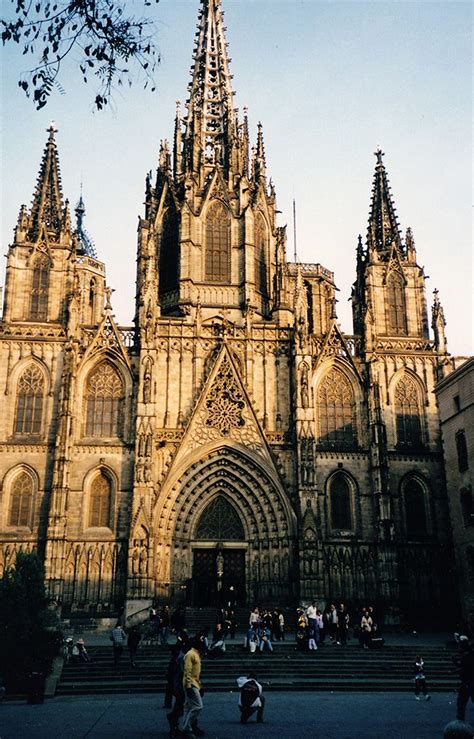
(29, 402)
(99, 503)
(21, 499)
(407, 414)
(220, 521)
(396, 307)
(104, 401)
(39, 288)
(341, 513)
(336, 412)
(217, 244)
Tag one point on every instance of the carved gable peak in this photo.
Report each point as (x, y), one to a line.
(335, 346)
(217, 189)
(108, 339)
(394, 264)
(224, 411)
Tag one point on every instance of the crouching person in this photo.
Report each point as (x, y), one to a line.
(251, 699)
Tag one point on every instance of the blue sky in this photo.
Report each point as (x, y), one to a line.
(330, 81)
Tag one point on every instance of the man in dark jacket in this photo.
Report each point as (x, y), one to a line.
(466, 674)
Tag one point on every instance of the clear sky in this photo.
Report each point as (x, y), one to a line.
(330, 81)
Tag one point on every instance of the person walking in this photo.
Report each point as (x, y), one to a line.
(342, 625)
(251, 698)
(420, 679)
(117, 637)
(466, 674)
(311, 614)
(365, 629)
(164, 625)
(193, 691)
(176, 673)
(133, 642)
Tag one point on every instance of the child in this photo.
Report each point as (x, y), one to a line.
(420, 679)
(312, 638)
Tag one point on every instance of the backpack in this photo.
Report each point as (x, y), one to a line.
(249, 693)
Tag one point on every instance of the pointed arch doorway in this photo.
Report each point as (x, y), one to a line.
(219, 555)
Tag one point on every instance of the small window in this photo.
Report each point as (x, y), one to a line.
(415, 509)
(99, 504)
(461, 449)
(457, 403)
(467, 506)
(21, 500)
(340, 497)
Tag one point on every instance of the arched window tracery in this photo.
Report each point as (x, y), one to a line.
(217, 260)
(104, 401)
(220, 521)
(396, 305)
(260, 265)
(341, 502)
(29, 402)
(336, 410)
(415, 508)
(169, 263)
(39, 288)
(100, 501)
(21, 500)
(407, 413)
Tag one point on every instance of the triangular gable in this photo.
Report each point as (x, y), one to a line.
(140, 520)
(334, 345)
(394, 264)
(108, 338)
(41, 244)
(216, 189)
(224, 412)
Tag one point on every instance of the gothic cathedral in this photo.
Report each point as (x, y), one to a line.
(234, 444)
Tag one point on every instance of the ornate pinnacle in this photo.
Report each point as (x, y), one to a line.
(46, 209)
(383, 228)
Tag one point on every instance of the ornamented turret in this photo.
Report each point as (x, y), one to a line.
(438, 324)
(383, 231)
(86, 245)
(47, 208)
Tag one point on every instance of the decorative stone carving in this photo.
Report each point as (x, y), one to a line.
(225, 401)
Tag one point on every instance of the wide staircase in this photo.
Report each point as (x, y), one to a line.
(331, 667)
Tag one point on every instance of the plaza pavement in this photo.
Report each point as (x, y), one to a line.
(288, 716)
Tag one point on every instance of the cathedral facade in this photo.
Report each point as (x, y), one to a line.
(234, 445)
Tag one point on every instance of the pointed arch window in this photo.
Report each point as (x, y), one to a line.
(407, 414)
(415, 509)
(396, 305)
(29, 402)
(99, 501)
(21, 500)
(260, 255)
(220, 522)
(217, 267)
(39, 288)
(341, 502)
(169, 264)
(104, 401)
(461, 450)
(336, 407)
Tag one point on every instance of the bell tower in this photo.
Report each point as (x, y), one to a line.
(209, 236)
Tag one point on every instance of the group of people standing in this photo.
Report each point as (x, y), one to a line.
(314, 625)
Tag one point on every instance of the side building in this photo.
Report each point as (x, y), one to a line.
(235, 445)
(455, 394)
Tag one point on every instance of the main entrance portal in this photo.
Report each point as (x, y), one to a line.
(218, 577)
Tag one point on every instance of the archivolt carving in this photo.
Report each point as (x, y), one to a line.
(260, 505)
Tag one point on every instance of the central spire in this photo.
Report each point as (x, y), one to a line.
(383, 223)
(210, 122)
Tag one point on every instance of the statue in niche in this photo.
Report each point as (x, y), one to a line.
(141, 445)
(148, 445)
(147, 385)
(276, 566)
(147, 471)
(285, 562)
(266, 567)
(139, 472)
(143, 561)
(304, 387)
(135, 562)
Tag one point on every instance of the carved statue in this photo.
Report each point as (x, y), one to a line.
(304, 387)
(147, 385)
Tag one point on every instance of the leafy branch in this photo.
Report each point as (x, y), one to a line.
(114, 47)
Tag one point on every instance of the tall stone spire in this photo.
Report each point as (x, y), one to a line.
(47, 207)
(383, 230)
(210, 123)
